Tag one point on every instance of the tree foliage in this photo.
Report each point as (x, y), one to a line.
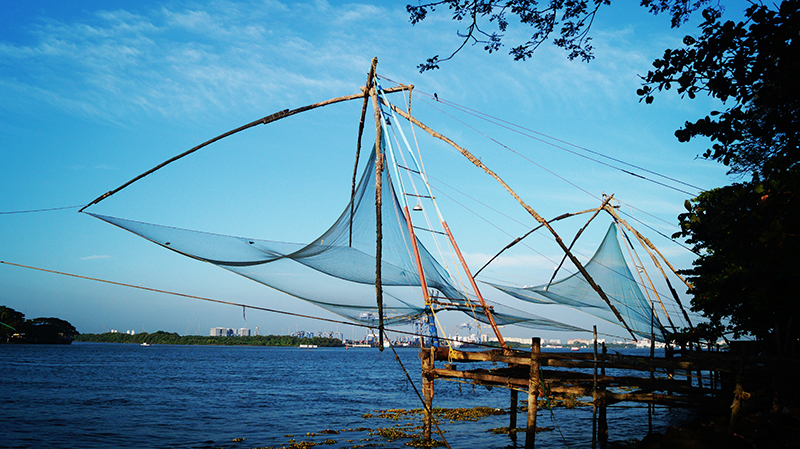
(745, 234)
(172, 338)
(11, 320)
(567, 23)
(38, 330)
(751, 65)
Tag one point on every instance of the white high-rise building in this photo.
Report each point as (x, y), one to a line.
(244, 332)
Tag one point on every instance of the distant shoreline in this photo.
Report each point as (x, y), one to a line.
(172, 338)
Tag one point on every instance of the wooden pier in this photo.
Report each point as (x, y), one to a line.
(682, 378)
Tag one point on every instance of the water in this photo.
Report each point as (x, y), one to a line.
(104, 395)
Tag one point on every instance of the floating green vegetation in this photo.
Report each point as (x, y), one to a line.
(467, 414)
(565, 400)
(451, 414)
(407, 425)
(422, 443)
(507, 431)
(392, 433)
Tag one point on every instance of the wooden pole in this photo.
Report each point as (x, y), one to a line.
(519, 239)
(647, 244)
(427, 390)
(486, 310)
(594, 391)
(512, 424)
(602, 417)
(368, 86)
(378, 209)
(578, 234)
(534, 385)
(738, 394)
(262, 121)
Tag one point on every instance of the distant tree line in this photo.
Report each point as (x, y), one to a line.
(14, 328)
(172, 338)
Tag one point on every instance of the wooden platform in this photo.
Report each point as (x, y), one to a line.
(681, 378)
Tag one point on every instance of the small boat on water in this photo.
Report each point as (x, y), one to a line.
(145, 344)
(575, 348)
(308, 346)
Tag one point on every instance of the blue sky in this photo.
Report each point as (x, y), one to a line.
(95, 93)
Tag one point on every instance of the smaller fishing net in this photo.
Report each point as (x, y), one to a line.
(610, 271)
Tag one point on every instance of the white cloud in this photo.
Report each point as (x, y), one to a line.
(174, 61)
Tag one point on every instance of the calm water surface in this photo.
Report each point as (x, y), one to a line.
(102, 395)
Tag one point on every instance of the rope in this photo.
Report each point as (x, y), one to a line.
(519, 129)
(219, 301)
(39, 210)
(549, 406)
(419, 396)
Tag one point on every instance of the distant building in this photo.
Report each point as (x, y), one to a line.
(584, 341)
(221, 332)
(244, 332)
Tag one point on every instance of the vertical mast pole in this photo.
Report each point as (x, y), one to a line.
(378, 207)
(358, 143)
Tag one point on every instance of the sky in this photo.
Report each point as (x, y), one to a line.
(95, 93)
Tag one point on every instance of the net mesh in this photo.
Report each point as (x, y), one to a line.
(609, 270)
(337, 270)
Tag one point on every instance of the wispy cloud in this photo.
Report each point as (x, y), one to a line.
(99, 256)
(181, 60)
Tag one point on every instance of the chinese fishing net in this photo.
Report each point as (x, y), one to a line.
(337, 270)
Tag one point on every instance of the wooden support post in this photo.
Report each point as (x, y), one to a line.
(594, 392)
(668, 350)
(685, 351)
(512, 424)
(534, 385)
(427, 359)
(699, 371)
(602, 417)
(738, 394)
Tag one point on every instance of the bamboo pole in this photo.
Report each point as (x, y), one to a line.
(378, 209)
(578, 234)
(519, 239)
(475, 161)
(486, 310)
(422, 281)
(647, 244)
(262, 121)
(632, 253)
(368, 86)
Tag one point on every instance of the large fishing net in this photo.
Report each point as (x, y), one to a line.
(337, 271)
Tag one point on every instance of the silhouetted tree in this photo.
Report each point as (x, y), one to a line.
(567, 23)
(745, 234)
